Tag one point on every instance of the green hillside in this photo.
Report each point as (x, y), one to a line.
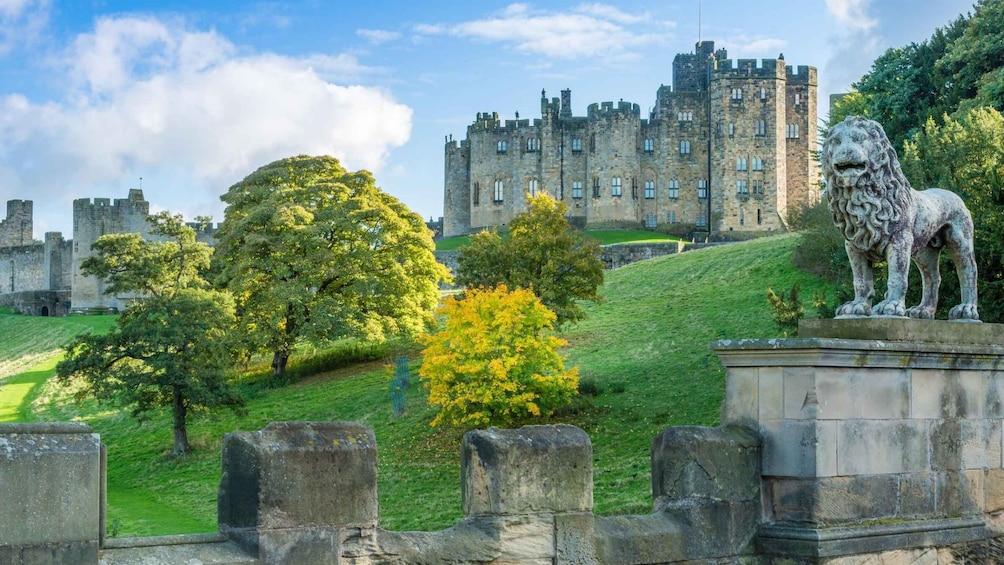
(643, 352)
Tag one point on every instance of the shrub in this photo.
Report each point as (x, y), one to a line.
(495, 362)
(787, 311)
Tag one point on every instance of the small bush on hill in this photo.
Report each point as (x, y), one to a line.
(495, 362)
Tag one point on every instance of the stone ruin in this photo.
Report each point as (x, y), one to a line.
(865, 441)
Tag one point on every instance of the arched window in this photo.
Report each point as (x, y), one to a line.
(531, 187)
(499, 191)
(615, 186)
(501, 146)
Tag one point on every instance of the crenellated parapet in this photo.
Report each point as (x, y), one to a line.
(608, 110)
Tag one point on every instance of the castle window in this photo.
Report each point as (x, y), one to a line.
(737, 94)
(741, 164)
(531, 187)
(649, 146)
(532, 144)
(732, 130)
(759, 128)
(476, 195)
(500, 147)
(763, 93)
(757, 164)
(684, 147)
(615, 186)
(671, 217)
(650, 221)
(592, 143)
(702, 218)
(596, 187)
(798, 98)
(634, 188)
(649, 189)
(758, 189)
(792, 131)
(576, 145)
(742, 216)
(702, 188)
(742, 189)
(499, 191)
(759, 216)
(685, 116)
(577, 189)
(674, 188)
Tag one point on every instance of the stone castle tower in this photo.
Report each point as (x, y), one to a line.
(729, 148)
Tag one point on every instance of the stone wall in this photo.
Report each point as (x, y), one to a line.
(16, 228)
(38, 302)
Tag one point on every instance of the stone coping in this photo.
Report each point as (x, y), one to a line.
(45, 428)
(872, 538)
(158, 541)
(904, 329)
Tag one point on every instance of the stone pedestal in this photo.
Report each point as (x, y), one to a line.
(878, 434)
(50, 494)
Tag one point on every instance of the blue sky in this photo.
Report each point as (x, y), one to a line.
(193, 96)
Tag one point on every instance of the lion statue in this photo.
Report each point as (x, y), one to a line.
(883, 218)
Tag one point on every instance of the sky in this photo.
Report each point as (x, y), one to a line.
(185, 98)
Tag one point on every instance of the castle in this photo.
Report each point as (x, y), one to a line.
(727, 149)
(43, 278)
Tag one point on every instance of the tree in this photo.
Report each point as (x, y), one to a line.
(495, 362)
(170, 346)
(966, 156)
(543, 254)
(314, 252)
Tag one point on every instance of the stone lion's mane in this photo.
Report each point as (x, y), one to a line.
(872, 209)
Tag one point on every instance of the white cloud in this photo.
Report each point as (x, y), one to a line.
(378, 36)
(851, 13)
(22, 23)
(589, 30)
(750, 46)
(149, 97)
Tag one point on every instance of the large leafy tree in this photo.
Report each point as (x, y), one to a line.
(170, 347)
(314, 252)
(495, 362)
(966, 155)
(542, 254)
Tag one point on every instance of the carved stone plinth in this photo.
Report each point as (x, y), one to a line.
(886, 442)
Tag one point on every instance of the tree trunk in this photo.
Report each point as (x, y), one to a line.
(279, 359)
(181, 446)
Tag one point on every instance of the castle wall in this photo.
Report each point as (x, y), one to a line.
(22, 268)
(15, 230)
(577, 159)
(91, 220)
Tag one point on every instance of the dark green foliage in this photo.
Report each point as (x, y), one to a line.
(590, 387)
(543, 254)
(787, 311)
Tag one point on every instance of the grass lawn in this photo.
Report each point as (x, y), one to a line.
(645, 348)
(27, 340)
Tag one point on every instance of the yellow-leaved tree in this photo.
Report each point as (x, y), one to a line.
(496, 361)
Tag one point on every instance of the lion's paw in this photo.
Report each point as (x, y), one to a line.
(964, 312)
(855, 308)
(890, 308)
(920, 312)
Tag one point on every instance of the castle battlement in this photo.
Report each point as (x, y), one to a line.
(802, 74)
(607, 109)
(17, 227)
(748, 68)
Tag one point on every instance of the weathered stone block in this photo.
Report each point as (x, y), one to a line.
(871, 447)
(298, 474)
(993, 484)
(742, 405)
(959, 493)
(833, 500)
(50, 485)
(531, 469)
(960, 444)
(799, 448)
(706, 463)
(299, 546)
(947, 394)
(575, 539)
(855, 393)
(771, 393)
(800, 399)
(917, 495)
